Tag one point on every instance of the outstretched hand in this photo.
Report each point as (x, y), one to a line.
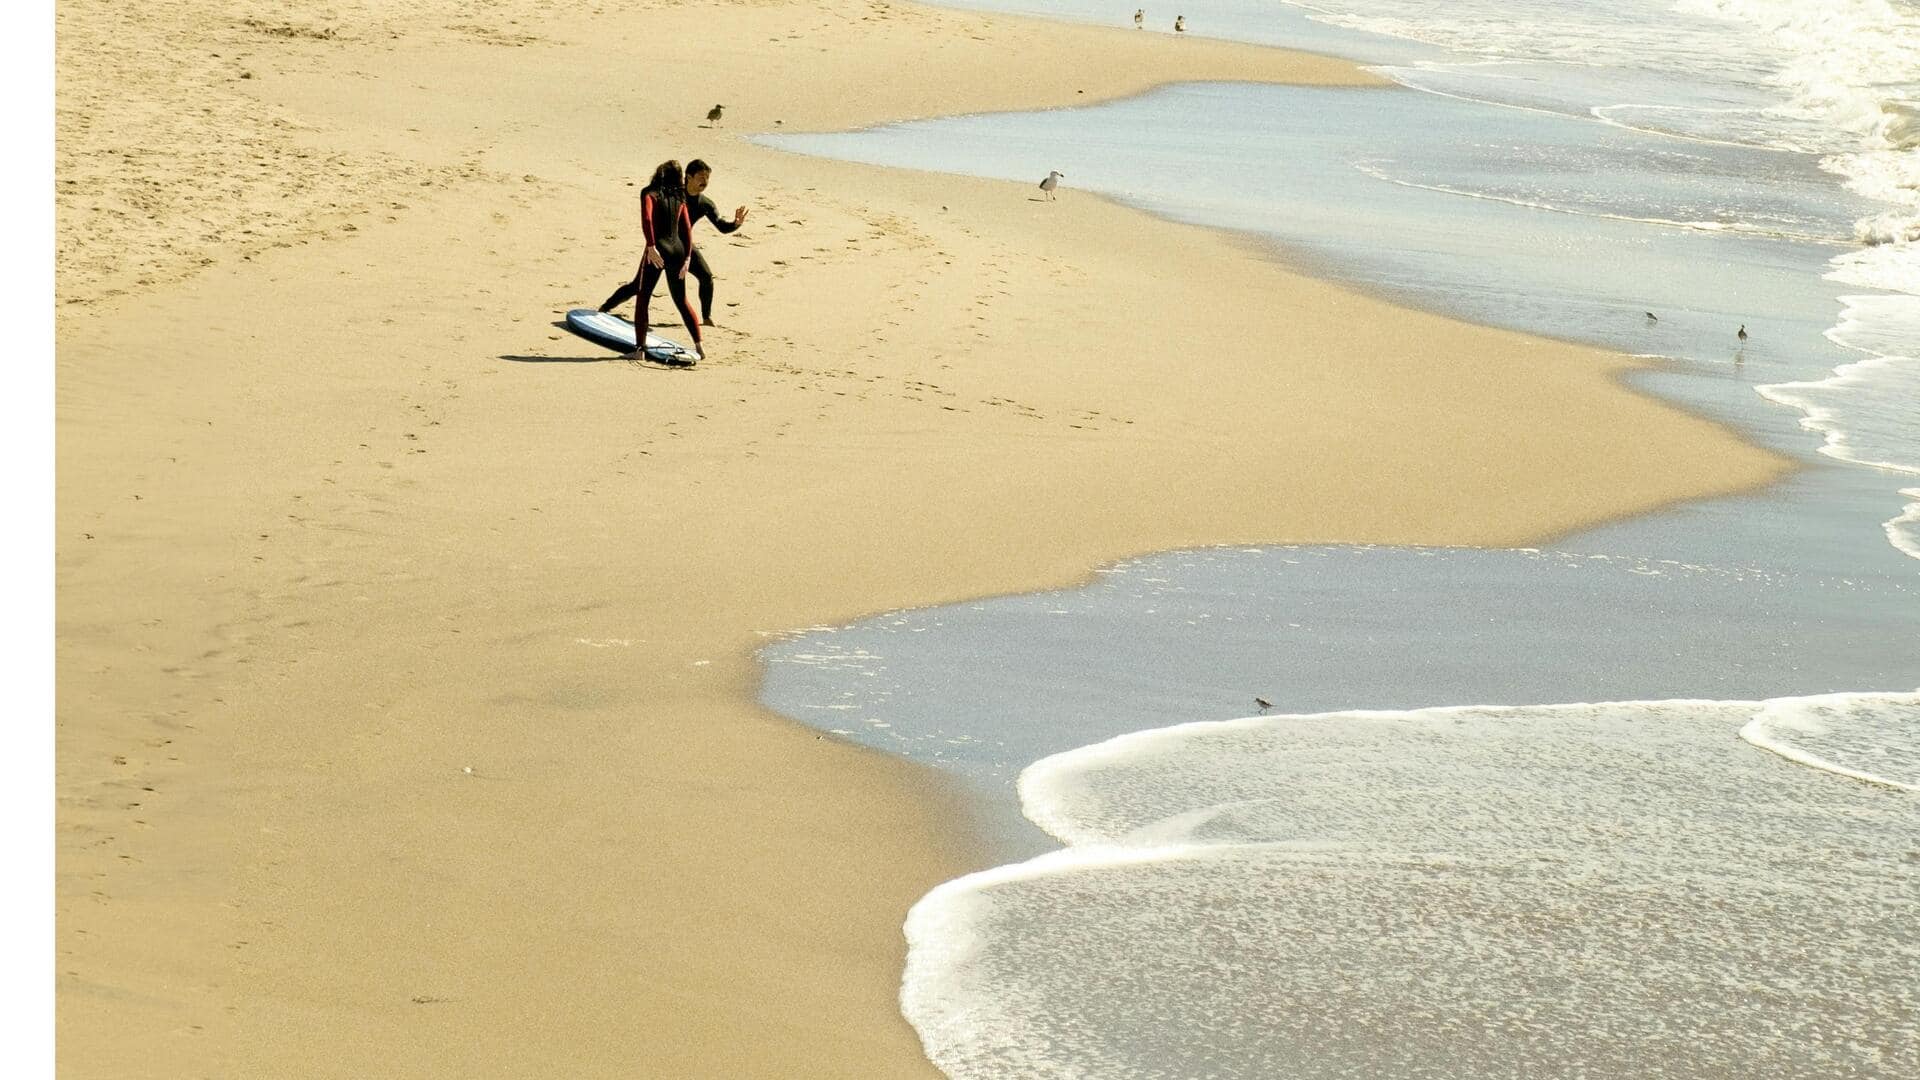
(739, 216)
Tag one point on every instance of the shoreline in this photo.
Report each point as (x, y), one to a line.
(393, 553)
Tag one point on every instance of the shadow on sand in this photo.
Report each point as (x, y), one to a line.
(610, 358)
(597, 358)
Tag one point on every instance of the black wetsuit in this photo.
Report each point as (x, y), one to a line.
(669, 231)
(700, 207)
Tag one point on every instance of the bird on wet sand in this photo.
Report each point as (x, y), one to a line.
(1651, 317)
(1742, 334)
(1179, 24)
(1052, 181)
(1139, 17)
(1263, 703)
(713, 114)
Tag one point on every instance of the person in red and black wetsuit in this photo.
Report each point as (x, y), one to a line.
(699, 207)
(669, 232)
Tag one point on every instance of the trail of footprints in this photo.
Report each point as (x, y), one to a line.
(876, 235)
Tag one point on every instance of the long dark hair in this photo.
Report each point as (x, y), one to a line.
(667, 179)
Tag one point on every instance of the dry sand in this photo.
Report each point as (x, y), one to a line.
(342, 514)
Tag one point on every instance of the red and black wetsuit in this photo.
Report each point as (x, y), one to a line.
(669, 231)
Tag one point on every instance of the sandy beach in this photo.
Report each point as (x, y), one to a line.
(406, 689)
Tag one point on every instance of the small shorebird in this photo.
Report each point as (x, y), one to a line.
(1052, 181)
(713, 114)
(1139, 17)
(1179, 24)
(1742, 334)
(1263, 703)
(1651, 317)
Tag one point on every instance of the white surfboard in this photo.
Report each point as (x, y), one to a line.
(616, 333)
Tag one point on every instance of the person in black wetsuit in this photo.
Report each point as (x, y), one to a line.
(669, 233)
(699, 207)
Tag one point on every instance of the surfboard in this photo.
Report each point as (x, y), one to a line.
(616, 333)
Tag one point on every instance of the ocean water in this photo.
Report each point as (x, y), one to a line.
(1613, 890)
(1639, 803)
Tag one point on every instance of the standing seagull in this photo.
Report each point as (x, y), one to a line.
(1742, 335)
(1052, 181)
(1139, 17)
(713, 114)
(1179, 24)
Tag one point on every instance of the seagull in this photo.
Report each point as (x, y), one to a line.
(1052, 181)
(1263, 703)
(1742, 335)
(713, 114)
(1139, 17)
(1179, 24)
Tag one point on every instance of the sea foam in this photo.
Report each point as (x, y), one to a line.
(1870, 737)
(1609, 890)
